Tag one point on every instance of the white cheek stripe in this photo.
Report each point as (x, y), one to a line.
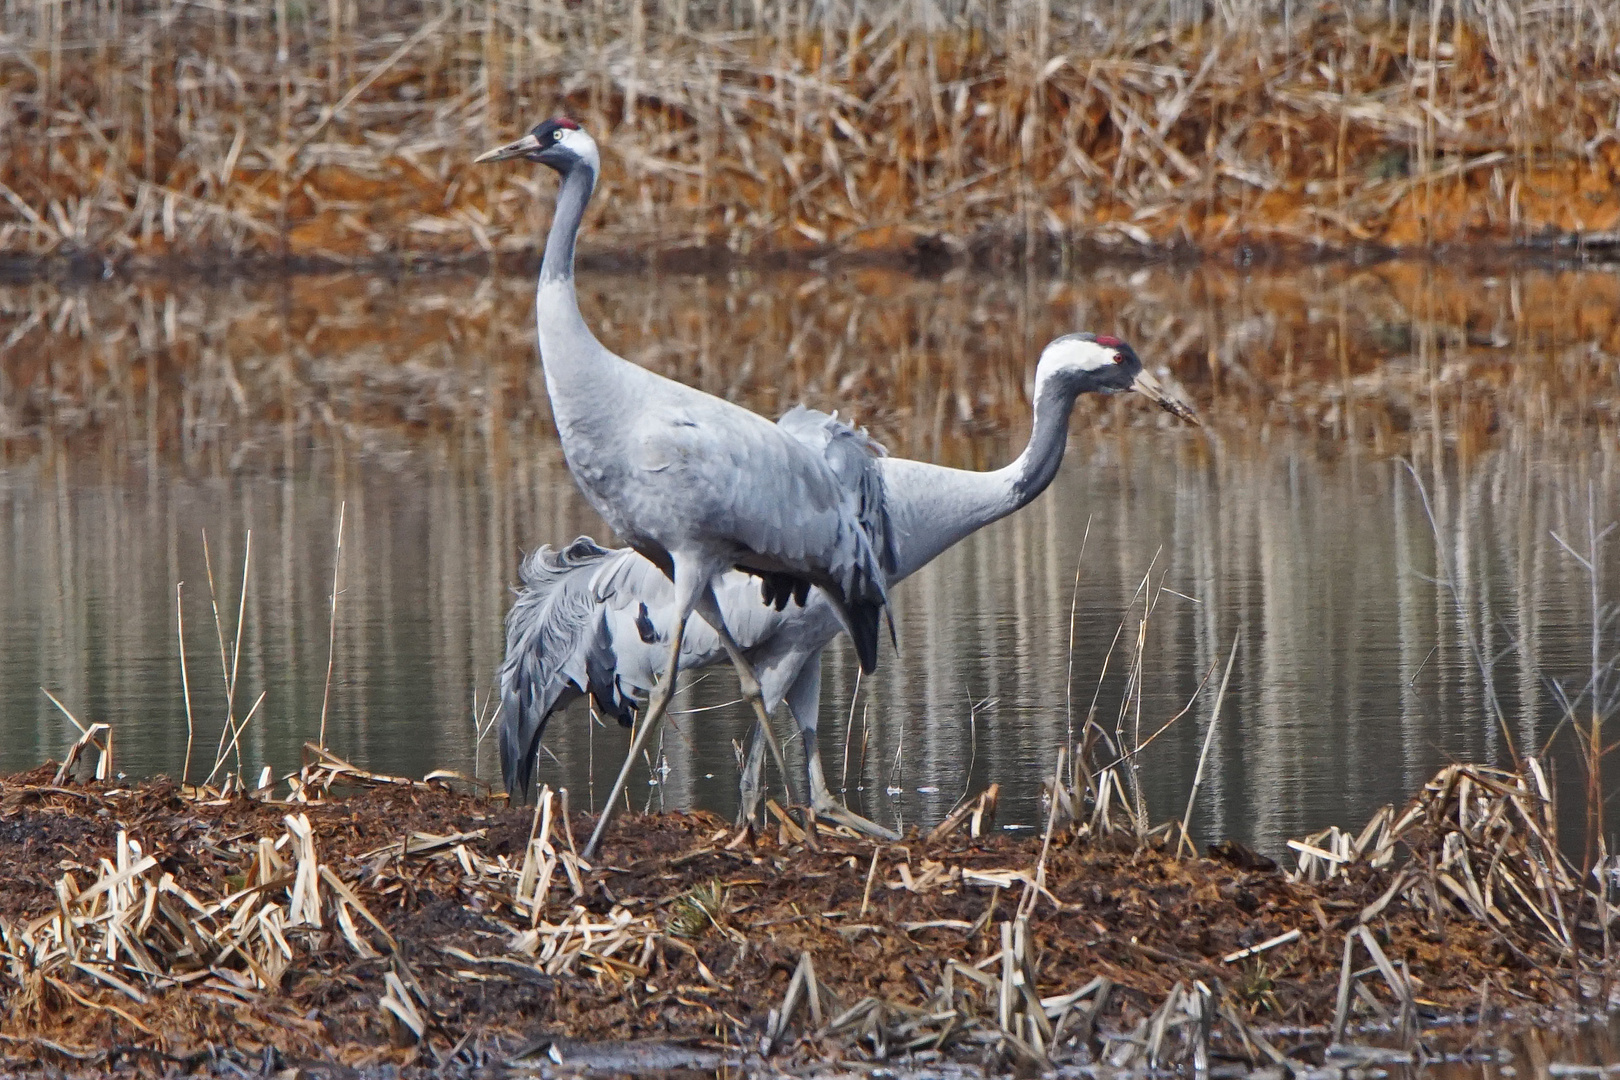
(1096, 357)
(1084, 355)
(582, 144)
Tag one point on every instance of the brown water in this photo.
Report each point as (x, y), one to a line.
(135, 417)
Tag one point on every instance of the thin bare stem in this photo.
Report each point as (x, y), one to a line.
(1209, 736)
(185, 681)
(849, 730)
(224, 655)
(219, 761)
(331, 628)
(1068, 679)
(236, 647)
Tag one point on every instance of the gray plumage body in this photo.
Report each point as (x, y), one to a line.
(618, 608)
(695, 484)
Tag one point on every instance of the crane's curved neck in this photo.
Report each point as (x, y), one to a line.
(934, 507)
(1032, 471)
(572, 198)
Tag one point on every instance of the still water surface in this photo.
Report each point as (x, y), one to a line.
(137, 420)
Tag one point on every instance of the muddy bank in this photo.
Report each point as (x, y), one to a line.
(361, 921)
(343, 133)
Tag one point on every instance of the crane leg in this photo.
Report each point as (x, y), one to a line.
(710, 610)
(749, 788)
(803, 699)
(649, 722)
(826, 805)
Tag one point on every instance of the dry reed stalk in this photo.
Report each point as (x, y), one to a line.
(229, 660)
(219, 633)
(87, 737)
(236, 652)
(1068, 679)
(828, 126)
(236, 735)
(1183, 837)
(185, 681)
(331, 627)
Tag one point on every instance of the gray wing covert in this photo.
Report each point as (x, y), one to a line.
(828, 490)
(853, 455)
(760, 489)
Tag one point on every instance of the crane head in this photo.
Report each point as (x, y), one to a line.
(559, 143)
(1087, 363)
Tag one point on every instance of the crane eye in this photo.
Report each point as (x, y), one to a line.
(1119, 358)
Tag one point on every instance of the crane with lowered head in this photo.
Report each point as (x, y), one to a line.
(593, 620)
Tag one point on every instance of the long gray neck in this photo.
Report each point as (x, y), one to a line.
(1031, 471)
(934, 507)
(572, 198)
(583, 380)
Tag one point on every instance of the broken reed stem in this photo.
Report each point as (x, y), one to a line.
(1068, 680)
(236, 647)
(1596, 752)
(1203, 753)
(185, 681)
(87, 737)
(236, 735)
(1033, 888)
(871, 876)
(63, 709)
(331, 631)
(229, 660)
(224, 656)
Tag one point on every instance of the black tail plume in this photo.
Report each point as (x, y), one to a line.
(864, 618)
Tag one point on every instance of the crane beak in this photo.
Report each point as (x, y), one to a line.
(521, 148)
(1150, 388)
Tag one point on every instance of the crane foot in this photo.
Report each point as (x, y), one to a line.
(839, 814)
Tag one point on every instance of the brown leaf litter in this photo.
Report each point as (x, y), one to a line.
(367, 920)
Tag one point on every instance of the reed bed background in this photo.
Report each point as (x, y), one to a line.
(344, 130)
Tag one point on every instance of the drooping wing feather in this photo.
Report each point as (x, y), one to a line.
(853, 456)
(593, 620)
(590, 619)
(551, 625)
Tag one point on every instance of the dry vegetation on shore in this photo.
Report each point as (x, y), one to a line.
(345, 130)
(159, 924)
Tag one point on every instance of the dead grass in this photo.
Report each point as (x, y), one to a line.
(393, 923)
(344, 130)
